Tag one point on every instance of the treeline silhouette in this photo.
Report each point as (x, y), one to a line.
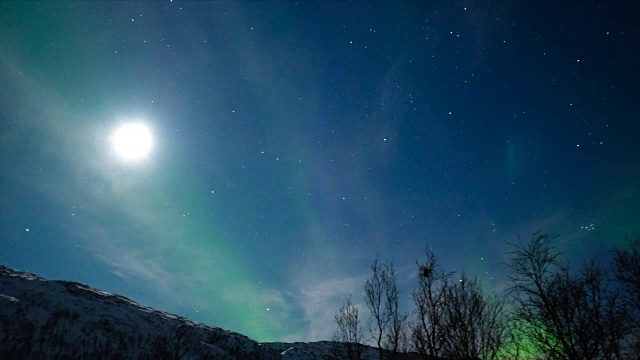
(549, 310)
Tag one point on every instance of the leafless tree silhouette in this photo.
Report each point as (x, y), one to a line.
(475, 322)
(348, 338)
(173, 346)
(564, 315)
(627, 273)
(386, 324)
(429, 332)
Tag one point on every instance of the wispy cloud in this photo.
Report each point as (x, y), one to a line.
(321, 300)
(130, 263)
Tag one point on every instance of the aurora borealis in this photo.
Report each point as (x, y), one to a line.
(295, 141)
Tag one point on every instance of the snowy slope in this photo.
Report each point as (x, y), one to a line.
(42, 319)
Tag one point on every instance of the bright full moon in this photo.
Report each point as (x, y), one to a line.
(132, 141)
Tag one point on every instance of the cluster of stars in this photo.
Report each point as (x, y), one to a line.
(589, 227)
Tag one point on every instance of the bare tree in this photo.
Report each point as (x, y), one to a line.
(564, 315)
(429, 332)
(348, 338)
(627, 273)
(374, 289)
(395, 340)
(476, 328)
(386, 323)
(174, 346)
(516, 344)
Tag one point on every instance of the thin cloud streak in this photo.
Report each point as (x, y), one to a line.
(322, 299)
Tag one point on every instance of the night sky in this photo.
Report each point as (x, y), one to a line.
(294, 142)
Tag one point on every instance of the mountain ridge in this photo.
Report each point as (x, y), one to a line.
(45, 319)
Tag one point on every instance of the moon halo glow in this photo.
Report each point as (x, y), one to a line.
(132, 142)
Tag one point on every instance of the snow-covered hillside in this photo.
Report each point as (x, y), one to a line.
(43, 319)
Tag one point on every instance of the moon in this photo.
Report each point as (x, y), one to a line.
(132, 142)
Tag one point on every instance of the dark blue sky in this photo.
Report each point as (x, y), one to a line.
(294, 142)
